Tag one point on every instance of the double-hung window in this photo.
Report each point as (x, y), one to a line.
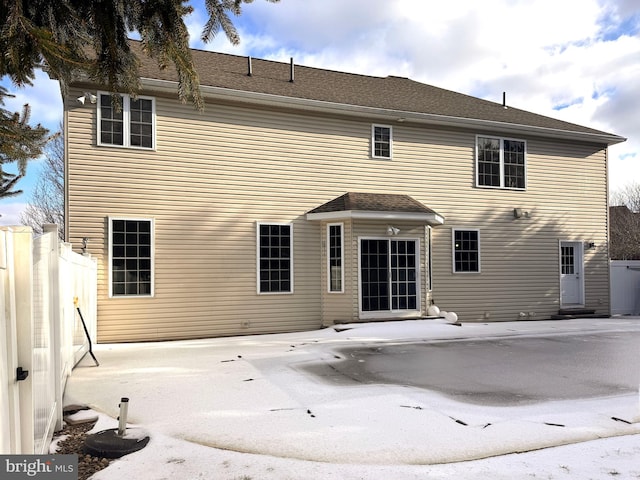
(381, 141)
(466, 251)
(335, 257)
(131, 256)
(129, 124)
(500, 163)
(275, 257)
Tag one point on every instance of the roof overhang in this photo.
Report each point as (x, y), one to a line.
(270, 100)
(429, 218)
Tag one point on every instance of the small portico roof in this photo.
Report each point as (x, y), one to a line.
(375, 206)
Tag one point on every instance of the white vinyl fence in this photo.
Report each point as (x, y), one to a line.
(41, 333)
(625, 287)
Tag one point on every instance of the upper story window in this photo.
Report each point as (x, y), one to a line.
(275, 257)
(131, 256)
(381, 141)
(466, 251)
(501, 163)
(131, 125)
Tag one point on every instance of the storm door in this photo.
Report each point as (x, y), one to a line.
(389, 276)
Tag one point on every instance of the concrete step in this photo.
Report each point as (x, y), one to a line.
(570, 313)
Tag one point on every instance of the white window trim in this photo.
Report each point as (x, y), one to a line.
(126, 130)
(258, 224)
(502, 185)
(429, 253)
(453, 250)
(373, 141)
(329, 225)
(153, 255)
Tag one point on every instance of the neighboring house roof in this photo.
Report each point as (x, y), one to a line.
(620, 210)
(392, 98)
(375, 206)
(624, 233)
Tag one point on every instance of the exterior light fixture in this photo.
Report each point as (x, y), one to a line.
(519, 213)
(87, 96)
(392, 230)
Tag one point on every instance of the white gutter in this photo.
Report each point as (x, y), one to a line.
(267, 99)
(430, 218)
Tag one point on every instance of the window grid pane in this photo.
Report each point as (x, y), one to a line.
(403, 275)
(335, 258)
(275, 258)
(513, 164)
(131, 257)
(382, 142)
(374, 273)
(489, 162)
(112, 123)
(568, 261)
(141, 123)
(466, 251)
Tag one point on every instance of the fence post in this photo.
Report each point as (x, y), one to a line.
(23, 264)
(9, 398)
(55, 293)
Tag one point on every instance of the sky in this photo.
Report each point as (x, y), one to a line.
(249, 407)
(575, 60)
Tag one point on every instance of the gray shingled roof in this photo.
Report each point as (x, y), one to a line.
(315, 84)
(373, 202)
(378, 206)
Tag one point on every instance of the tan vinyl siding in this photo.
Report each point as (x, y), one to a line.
(566, 198)
(215, 174)
(337, 306)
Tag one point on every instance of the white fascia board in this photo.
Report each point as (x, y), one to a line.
(268, 99)
(430, 218)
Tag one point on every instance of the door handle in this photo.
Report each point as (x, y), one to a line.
(21, 374)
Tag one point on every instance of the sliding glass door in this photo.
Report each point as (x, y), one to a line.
(389, 275)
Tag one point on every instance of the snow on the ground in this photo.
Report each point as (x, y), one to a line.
(236, 408)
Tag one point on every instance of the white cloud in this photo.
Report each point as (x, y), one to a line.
(43, 97)
(10, 212)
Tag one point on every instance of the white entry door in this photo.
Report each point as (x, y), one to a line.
(571, 274)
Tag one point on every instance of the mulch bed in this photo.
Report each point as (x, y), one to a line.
(74, 443)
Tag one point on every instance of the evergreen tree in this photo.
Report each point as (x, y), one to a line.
(19, 143)
(89, 37)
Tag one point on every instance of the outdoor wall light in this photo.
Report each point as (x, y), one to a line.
(392, 230)
(519, 213)
(85, 241)
(590, 245)
(87, 96)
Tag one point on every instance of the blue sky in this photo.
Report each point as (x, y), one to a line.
(577, 60)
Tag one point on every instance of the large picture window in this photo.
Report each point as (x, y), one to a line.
(501, 163)
(131, 124)
(275, 258)
(335, 255)
(466, 251)
(131, 255)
